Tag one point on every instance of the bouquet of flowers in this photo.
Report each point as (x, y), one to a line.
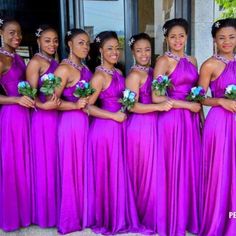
(83, 89)
(25, 89)
(128, 100)
(197, 94)
(161, 84)
(230, 92)
(50, 82)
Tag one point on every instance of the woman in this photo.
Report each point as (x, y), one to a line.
(15, 153)
(141, 136)
(219, 136)
(72, 134)
(44, 132)
(178, 139)
(112, 208)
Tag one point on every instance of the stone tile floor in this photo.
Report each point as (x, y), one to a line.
(36, 231)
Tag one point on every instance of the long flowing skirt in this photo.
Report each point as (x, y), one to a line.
(219, 174)
(45, 167)
(72, 133)
(141, 156)
(112, 208)
(15, 167)
(179, 158)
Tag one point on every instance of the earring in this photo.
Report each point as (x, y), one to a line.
(134, 61)
(56, 56)
(39, 48)
(2, 42)
(70, 56)
(215, 48)
(167, 47)
(101, 59)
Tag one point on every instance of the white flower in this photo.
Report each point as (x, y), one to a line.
(45, 77)
(69, 33)
(131, 41)
(38, 32)
(193, 89)
(230, 88)
(164, 30)
(126, 93)
(1, 22)
(98, 40)
(217, 24)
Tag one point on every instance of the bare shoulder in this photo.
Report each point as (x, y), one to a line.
(134, 75)
(162, 60)
(98, 76)
(34, 62)
(210, 64)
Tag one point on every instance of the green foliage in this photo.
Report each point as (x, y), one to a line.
(26, 90)
(229, 8)
(50, 82)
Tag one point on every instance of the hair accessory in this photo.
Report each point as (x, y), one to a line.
(38, 32)
(217, 24)
(68, 33)
(164, 31)
(98, 40)
(131, 41)
(1, 22)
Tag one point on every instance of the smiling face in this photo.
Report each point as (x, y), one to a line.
(177, 38)
(110, 51)
(48, 42)
(226, 39)
(80, 45)
(142, 52)
(11, 34)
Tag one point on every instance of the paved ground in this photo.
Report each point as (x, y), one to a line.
(36, 231)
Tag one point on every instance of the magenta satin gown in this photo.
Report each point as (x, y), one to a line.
(219, 161)
(15, 154)
(141, 156)
(179, 153)
(72, 134)
(111, 204)
(45, 161)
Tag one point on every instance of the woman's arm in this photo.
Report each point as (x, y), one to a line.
(97, 83)
(206, 73)
(133, 82)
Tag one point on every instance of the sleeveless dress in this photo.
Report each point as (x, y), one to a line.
(112, 209)
(141, 156)
(72, 134)
(219, 161)
(45, 164)
(15, 154)
(179, 153)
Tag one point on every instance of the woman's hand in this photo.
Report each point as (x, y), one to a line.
(228, 104)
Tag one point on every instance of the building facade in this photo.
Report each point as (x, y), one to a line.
(126, 17)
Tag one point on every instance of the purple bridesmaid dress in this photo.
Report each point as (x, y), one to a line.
(112, 209)
(219, 161)
(15, 154)
(179, 153)
(72, 134)
(141, 156)
(45, 164)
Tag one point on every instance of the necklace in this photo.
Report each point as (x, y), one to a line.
(6, 53)
(108, 71)
(71, 63)
(174, 56)
(139, 67)
(223, 59)
(47, 58)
